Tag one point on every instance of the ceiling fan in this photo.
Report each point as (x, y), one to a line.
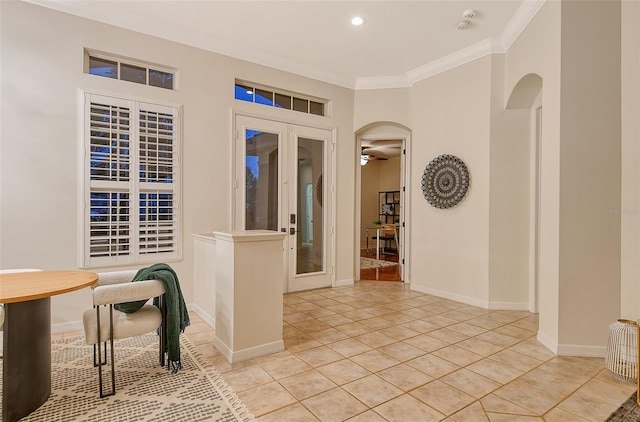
(370, 154)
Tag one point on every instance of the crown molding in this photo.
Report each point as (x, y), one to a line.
(523, 16)
(460, 57)
(383, 82)
(499, 45)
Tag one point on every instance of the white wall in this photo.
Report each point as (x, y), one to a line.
(42, 75)
(537, 51)
(449, 251)
(509, 196)
(630, 283)
(581, 168)
(590, 172)
(382, 105)
(389, 174)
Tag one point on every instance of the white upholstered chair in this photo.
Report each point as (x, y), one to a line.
(103, 324)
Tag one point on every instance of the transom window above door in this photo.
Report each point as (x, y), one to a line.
(274, 97)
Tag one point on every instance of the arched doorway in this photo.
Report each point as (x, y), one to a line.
(527, 94)
(383, 147)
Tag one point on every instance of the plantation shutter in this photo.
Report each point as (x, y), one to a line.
(157, 231)
(131, 186)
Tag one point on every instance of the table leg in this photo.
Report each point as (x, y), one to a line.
(377, 243)
(26, 382)
(367, 241)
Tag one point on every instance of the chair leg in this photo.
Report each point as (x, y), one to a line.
(100, 363)
(97, 350)
(162, 304)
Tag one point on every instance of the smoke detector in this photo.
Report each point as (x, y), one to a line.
(469, 14)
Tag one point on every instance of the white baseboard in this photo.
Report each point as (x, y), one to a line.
(210, 320)
(344, 283)
(582, 351)
(547, 342)
(509, 306)
(246, 354)
(502, 306)
(222, 348)
(571, 349)
(451, 296)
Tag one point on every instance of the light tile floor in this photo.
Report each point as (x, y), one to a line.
(377, 351)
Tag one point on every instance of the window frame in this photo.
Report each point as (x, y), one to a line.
(119, 61)
(133, 186)
(259, 94)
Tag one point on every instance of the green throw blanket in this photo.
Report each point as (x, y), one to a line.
(177, 315)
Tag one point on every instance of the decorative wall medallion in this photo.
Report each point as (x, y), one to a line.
(445, 181)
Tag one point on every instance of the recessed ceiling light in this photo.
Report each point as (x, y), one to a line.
(357, 21)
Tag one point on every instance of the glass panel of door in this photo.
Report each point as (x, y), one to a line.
(262, 182)
(310, 193)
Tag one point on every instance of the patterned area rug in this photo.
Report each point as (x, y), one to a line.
(628, 412)
(145, 391)
(367, 263)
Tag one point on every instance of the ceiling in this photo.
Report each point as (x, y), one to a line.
(400, 43)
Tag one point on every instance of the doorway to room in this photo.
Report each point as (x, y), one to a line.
(381, 211)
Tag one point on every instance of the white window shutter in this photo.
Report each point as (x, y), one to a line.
(132, 173)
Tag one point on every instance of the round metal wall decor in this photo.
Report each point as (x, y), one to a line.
(445, 181)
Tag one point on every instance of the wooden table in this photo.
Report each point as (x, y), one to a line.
(26, 379)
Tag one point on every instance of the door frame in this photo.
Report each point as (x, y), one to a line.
(534, 202)
(381, 131)
(330, 242)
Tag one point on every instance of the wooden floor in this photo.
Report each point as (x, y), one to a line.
(380, 274)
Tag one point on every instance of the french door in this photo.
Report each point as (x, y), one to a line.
(283, 172)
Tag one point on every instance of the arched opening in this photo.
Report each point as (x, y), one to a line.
(527, 94)
(381, 182)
